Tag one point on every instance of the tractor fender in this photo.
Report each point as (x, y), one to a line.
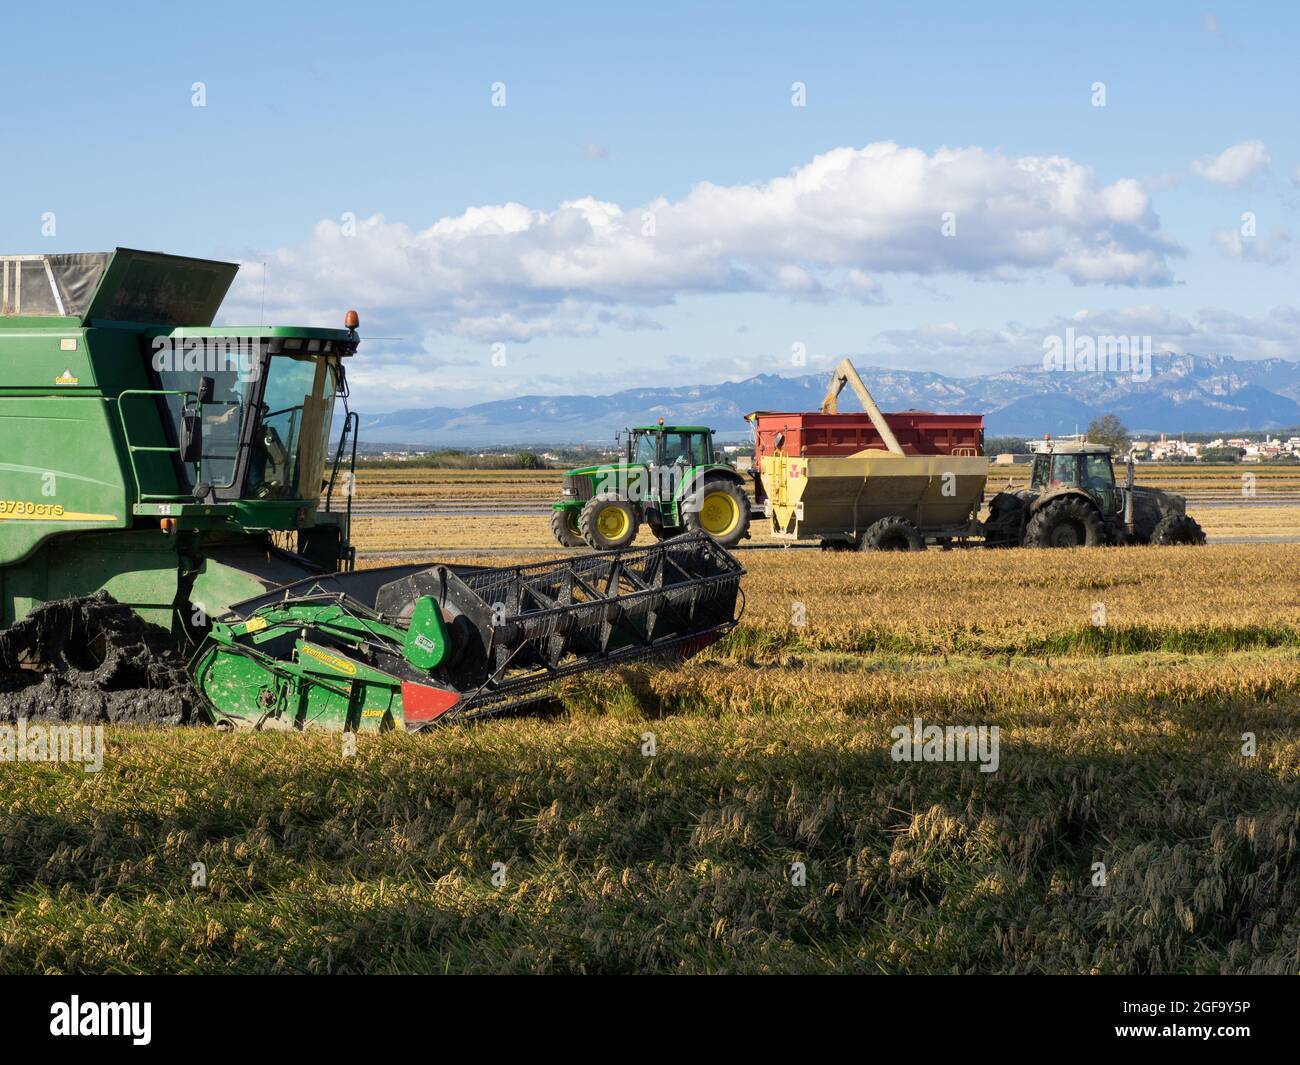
(712, 473)
(1037, 503)
(692, 485)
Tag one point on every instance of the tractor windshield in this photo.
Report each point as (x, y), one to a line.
(647, 449)
(287, 457)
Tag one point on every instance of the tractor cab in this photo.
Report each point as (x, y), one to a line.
(1084, 467)
(670, 445)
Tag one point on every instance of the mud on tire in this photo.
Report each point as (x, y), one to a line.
(892, 534)
(1069, 522)
(1177, 529)
(89, 660)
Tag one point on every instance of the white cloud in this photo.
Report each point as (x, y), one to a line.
(1233, 166)
(831, 228)
(1270, 250)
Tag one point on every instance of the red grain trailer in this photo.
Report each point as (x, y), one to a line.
(813, 434)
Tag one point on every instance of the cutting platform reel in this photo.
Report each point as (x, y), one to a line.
(453, 643)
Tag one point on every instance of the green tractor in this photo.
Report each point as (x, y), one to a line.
(671, 478)
(1073, 501)
(163, 472)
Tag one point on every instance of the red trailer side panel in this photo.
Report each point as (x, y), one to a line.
(811, 433)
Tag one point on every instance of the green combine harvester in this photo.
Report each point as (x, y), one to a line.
(185, 471)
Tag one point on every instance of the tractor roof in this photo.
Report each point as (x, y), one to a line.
(671, 429)
(1061, 447)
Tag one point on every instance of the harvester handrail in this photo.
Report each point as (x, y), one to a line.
(131, 449)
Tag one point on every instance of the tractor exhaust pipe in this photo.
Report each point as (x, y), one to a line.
(1128, 492)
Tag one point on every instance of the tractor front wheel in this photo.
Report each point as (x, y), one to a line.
(1178, 529)
(723, 513)
(564, 526)
(608, 523)
(1065, 523)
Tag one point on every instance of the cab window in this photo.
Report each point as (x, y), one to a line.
(1098, 471)
(690, 448)
(647, 448)
(1064, 468)
(1042, 464)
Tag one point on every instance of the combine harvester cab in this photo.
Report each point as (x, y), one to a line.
(183, 471)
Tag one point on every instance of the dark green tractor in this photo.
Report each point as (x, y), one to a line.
(671, 478)
(1073, 501)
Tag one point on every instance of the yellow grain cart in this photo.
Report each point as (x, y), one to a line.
(875, 500)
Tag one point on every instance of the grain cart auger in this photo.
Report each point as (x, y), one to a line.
(452, 643)
(161, 470)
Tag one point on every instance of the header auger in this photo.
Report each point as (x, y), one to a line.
(179, 468)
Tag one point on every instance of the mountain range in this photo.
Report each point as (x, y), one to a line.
(1184, 393)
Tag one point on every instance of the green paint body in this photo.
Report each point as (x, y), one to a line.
(86, 503)
(307, 665)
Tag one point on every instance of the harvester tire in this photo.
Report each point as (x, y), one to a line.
(1177, 529)
(564, 526)
(608, 523)
(892, 534)
(1069, 522)
(723, 512)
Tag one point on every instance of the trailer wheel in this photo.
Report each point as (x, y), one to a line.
(1069, 522)
(608, 523)
(1178, 529)
(564, 526)
(723, 513)
(892, 534)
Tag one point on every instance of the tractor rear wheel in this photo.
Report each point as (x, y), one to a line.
(608, 523)
(564, 526)
(1178, 529)
(723, 513)
(1069, 522)
(892, 534)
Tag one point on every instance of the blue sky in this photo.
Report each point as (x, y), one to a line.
(334, 138)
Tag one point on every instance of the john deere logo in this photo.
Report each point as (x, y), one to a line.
(333, 661)
(65, 378)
